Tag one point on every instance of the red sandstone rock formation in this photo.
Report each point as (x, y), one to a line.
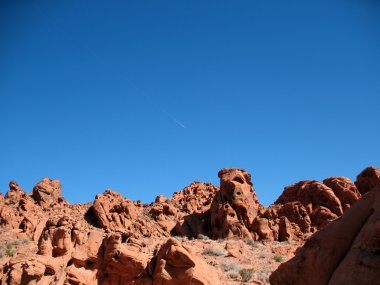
(47, 192)
(367, 179)
(112, 240)
(235, 206)
(344, 252)
(193, 204)
(305, 207)
(177, 264)
(112, 211)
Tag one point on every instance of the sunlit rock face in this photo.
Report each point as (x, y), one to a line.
(114, 240)
(346, 251)
(47, 191)
(367, 179)
(235, 205)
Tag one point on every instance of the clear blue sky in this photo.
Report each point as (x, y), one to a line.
(144, 97)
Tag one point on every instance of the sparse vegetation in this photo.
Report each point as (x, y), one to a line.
(25, 241)
(246, 274)
(263, 276)
(278, 258)
(233, 274)
(1, 254)
(250, 242)
(215, 251)
(179, 238)
(9, 250)
(230, 266)
(202, 237)
(263, 255)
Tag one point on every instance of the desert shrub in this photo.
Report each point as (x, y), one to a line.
(230, 266)
(246, 274)
(263, 255)
(16, 242)
(263, 276)
(250, 242)
(9, 250)
(25, 241)
(215, 251)
(1, 255)
(203, 237)
(278, 258)
(233, 274)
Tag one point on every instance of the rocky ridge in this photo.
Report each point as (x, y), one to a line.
(117, 241)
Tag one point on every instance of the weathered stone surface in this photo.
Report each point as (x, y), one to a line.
(112, 211)
(116, 241)
(47, 191)
(367, 179)
(177, 264)
(193, 204)
(343, 252)
(344, 189)
(235, 205)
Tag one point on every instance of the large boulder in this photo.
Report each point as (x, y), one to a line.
(193, 204)
(344, 189)
(235, 205)
(47, 191)
(177, 264)
(367, 179)
(345, 251)
(112, 211)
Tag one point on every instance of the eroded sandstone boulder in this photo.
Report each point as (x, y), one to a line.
(193, 204)
(124, 262)
(112, 211)
(344, 189)
(343, 252)
(47, 191)
(235, 205)
(367, 179)
(177, 264)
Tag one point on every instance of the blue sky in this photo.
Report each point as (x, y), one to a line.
(144, 97)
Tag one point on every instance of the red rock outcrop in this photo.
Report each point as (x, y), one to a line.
(177, 264)
(116, 241)
(305, 207)
(344, 252)
(195, 198)
(367, 179)
(112, 211)
(235, 205)
(193, 204)
(344, 190)
(47, 191)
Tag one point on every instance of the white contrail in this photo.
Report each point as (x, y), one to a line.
(175, 120)
(151, 101)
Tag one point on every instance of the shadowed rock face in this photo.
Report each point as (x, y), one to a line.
(235, 205)
(193, 204)
(367, 179)
(346, 251)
